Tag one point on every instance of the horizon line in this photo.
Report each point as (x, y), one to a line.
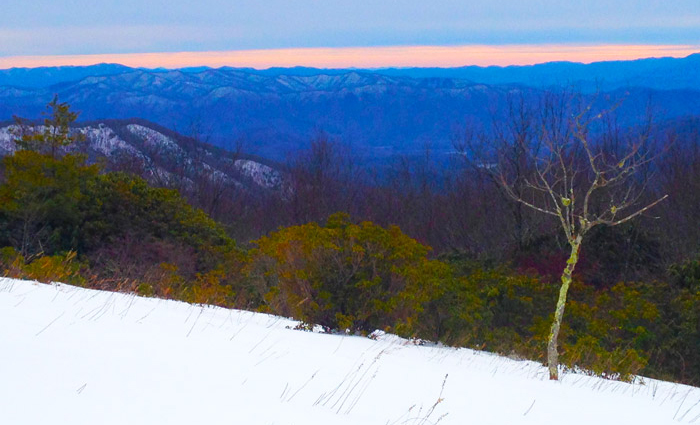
(367, 57)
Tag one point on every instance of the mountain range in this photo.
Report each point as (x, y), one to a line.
(380, 113)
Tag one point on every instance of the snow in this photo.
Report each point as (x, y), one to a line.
(103, 140)
(261, 174)
(7, 144)
(153, 138)
(79, 356)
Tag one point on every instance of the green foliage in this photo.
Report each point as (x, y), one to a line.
(52, 205)
(120, 204)
(133, 235)
(55, 134)
(589, 356)
(11, 262)
(209, 288)
(495, 310)
(343, 275)
(145, 289)
(41, 195)
(686, 275)
(610, 331)
(40, 201)
(675, 350)
(55, 268)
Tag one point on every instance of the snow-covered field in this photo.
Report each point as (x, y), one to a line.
(75, 356)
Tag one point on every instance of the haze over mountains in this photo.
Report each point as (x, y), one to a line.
(380, 112)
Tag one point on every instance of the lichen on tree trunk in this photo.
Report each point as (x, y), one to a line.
(552, 352)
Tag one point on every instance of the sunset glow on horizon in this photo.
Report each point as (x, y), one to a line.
(367, 57)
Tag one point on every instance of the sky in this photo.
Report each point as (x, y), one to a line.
(349, 33)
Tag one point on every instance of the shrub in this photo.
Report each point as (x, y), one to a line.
(121, 204)
(344, 275)
(609, 332)
(40, 202)
(686, 275)
(55, 268)
(496, 310)
(208, 288)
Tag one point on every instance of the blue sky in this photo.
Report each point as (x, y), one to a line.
(80, 27)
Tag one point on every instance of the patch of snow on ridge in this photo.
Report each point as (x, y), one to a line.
(103, 139)
(261, 174)
(79, 356)
(154, 138)
(7, 144)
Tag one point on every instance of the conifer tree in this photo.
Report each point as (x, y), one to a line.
(56, 131)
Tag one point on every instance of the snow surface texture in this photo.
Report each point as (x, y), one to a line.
(77, 356)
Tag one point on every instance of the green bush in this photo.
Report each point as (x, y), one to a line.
(41, 202)
(344, 275)
(608, 332)
(686, 275)
(496, 310)
(122, 208)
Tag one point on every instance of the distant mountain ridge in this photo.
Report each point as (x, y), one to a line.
(48, 76)
(658, 73)
(273, 115)
(654, 73)
(379, 113)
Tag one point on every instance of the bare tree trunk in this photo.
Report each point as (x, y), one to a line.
(552, 352)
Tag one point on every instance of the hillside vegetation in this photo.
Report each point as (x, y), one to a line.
(635, 305)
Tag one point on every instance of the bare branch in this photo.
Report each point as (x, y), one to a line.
(631, 216)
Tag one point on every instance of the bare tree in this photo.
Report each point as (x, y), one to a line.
(512, 141)
(579, 182)
(323, 179)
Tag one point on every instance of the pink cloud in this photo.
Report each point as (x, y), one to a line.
(368, 57)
